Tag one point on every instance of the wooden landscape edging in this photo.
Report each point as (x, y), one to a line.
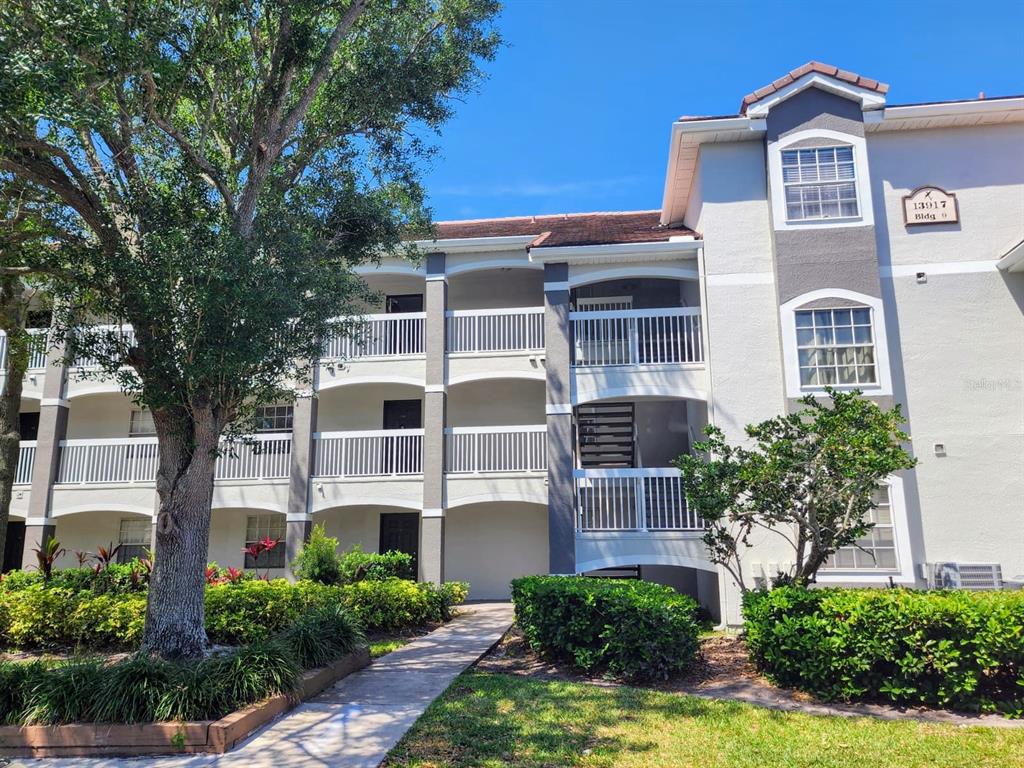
(110, 739)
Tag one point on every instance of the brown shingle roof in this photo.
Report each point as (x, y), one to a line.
(568, 229)
(812, 66)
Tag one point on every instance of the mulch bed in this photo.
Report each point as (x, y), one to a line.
(723, 660)
(723, 670)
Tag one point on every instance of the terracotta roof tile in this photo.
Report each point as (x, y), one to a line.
(805, 69)
(568, 229)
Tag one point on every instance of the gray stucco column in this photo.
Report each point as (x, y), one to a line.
(53, 427)
(300, 511)
(558, 406)
(435, 405)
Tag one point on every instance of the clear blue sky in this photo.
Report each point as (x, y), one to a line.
(577, 110)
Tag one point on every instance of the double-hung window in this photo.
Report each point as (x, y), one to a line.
(835, 346)
(134, 538)
(260, 527)
(820, 183)
(877, 548)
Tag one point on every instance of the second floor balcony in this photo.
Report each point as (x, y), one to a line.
(642, 500)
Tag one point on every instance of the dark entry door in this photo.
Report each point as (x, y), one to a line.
(14, 546)
(403, 414)
(28, 425)
(400, 531)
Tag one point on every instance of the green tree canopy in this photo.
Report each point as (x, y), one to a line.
(810, 477)
(213, 171)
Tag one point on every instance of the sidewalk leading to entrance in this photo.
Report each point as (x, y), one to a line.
(354, 723)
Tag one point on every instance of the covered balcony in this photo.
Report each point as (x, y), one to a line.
(637, 337)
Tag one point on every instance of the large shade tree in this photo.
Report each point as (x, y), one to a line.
(215, 168)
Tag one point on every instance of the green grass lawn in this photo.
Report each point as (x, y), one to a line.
(490, 719)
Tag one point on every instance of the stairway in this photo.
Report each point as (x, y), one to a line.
(606, 435)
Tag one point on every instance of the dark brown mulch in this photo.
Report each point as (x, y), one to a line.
(722, 661)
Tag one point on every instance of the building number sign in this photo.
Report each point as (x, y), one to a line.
(930, 205)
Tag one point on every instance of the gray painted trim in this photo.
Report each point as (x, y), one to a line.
(814, 108)
(53, 428)
(435, 407)
(304, 419)
(560, 452)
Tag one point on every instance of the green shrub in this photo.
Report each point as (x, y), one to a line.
(255, 671)
(957, 649)
(107, 621)
(37, 616)
(392, 604)
(247, 611)
(12, 581)
(318, 559)
(631, 629)
(357, 565)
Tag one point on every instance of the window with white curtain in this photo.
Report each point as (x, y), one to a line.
(877, 548)
(820, 183)
(835, 346)
(135, 537)
(141, 424)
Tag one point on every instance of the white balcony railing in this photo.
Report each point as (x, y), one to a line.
(130, 460)
(389, 335)
(268, 457)
(26, 460)
(496, 449)
(632, 500)
(37, 353)
(126, 332)
(115, 460)
(637, 337)
(494, 330)
(373, 453)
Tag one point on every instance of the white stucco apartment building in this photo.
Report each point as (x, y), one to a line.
(521, 393)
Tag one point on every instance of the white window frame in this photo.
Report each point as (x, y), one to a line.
(836, 346)
(790, 354)
(263, 520)
(904, 573)
(147, 537)
(865, 212)
(288, 413)
(836, 182)
(867, 553)
(136, 415)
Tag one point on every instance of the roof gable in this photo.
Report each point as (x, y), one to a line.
(870, 93)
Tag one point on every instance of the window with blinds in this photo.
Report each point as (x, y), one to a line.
(835, 346)
(820, 183)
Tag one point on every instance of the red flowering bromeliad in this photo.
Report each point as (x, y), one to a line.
(258, 548)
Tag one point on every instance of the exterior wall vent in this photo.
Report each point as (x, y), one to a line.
(965, 576)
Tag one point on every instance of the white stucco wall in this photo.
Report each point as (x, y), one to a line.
(488, 545)
(958, 338)
(99, 416)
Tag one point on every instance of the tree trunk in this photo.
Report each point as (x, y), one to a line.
(13, 312)
(175, 613)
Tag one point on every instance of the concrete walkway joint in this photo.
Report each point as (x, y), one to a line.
(356, 722)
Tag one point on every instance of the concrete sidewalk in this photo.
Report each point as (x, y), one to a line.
(354, 723)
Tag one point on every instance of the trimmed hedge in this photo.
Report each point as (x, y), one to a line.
(38, 615)
(631, 629)
(957, 649)
(142, 689)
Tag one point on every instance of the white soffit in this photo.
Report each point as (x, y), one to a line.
(1013, 260)
(953, 114)
(684, 146)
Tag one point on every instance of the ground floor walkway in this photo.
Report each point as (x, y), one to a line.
(354, 723)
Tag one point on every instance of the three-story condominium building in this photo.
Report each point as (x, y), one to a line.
(515, 402)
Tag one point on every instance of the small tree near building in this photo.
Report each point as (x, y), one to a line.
(809, 477)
